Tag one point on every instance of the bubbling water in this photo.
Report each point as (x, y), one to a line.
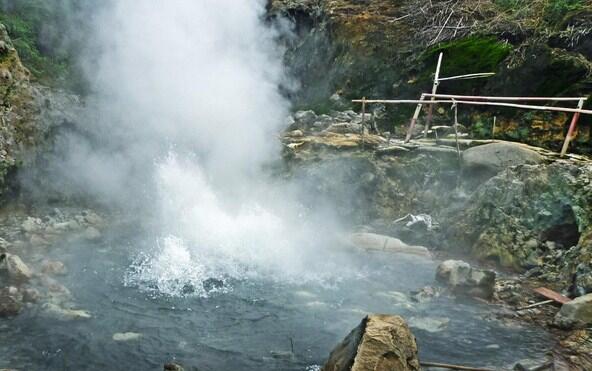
(207, 237)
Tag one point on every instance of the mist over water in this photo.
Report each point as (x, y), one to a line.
(187, 103)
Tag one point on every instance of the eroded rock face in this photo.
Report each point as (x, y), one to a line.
(379, 343)
(14, 268)
(466, 280)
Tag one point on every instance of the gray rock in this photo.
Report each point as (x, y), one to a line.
(31, 225)
(65, 314)
(173, 367)
(466, 280)
(576, 313)
(304, 118)
(373, 241)
(344, 127)
(379, 343)
(53, 267)
(14, 268)
(11, 301)
(126, 336)
(495, 157)
(91, 234)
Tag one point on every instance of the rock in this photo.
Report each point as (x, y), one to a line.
(126, 336)
(65, 314)
(31, 225)
(11, 301)
(532, 364)
(344, 127)
(495, 157)
(31, 295)
(425, 294)
(295, 133)
(429, 324)
(4, 246)
(53, 268)
(14, 268)
(373, 241)
(91, 234)
(37, 240)
(576, 313)
(304, 119)
(379, 343)
(465, 280)
(173, 367)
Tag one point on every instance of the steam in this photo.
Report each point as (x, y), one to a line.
(185, 113)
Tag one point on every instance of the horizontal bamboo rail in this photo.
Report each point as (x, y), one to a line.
(475, 103)
(477, 97)
(468, 76)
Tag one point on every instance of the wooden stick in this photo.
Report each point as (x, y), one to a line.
(493, 128)
(535, 305)
(434, 90)
(454, 367)
(363, 119)
(572, 128)
(414, 118)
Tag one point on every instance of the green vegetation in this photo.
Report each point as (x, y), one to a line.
(37, 29)
(551, 12)
(469, 55)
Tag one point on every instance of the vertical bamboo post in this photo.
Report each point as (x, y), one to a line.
(493, 128)
(572, 129)
(434, 91)
(414, 119)
(456, 132)
(363, 119)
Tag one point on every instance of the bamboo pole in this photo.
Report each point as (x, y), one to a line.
(414, 118)
(572, 128)
(468, 76)
(434, 91)
(480, 103)
(363, 119)
(478, 97)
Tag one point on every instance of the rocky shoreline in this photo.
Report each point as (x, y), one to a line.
(519, 210)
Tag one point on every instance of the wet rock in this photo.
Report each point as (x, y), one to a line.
(429, 324)
(65, 314)
(91, 234)
(373, 241)
(576, 313)
(533, 364)
(173, 367)
(466, 280)
(14, 268)
(4, 246)
(126, 336)
(379, 343)
(31, 295)
(53, 268)
(37, 240)
(11, 301)
(495, 157)
(425, 294)
(295, 133)
(31, 225)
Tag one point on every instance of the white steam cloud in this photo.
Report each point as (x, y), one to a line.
(186, 96)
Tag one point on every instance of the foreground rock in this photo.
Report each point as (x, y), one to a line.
(373, 241)
(11, 301)
(576, 313)
(14, 268)
(379, 343)
(466, 280)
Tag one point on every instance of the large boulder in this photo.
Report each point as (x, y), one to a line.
(466, 280)
(576, 313)
(494, 157)
(379, 343)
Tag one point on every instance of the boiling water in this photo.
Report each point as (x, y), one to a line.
(248, 323)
